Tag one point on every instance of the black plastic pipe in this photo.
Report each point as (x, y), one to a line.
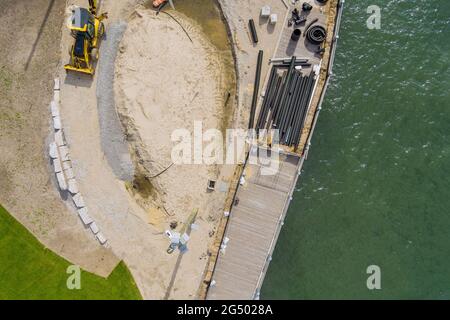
(285, 89)
(252, 27)
(256, 89)
(266, 98)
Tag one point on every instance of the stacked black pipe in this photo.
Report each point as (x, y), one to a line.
(286, 102)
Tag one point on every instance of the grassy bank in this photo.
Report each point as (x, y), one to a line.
(29, 271)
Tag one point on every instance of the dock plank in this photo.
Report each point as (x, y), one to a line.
(252, 227)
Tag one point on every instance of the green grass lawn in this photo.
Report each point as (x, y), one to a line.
(29, 271)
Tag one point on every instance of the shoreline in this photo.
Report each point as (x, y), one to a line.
(227, 269)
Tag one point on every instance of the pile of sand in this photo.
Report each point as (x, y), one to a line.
(164, 81)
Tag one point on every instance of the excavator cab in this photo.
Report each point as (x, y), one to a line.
(87, 30)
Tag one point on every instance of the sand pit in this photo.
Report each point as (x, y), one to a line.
(166, 80)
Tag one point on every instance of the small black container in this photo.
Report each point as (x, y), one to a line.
(296, 35)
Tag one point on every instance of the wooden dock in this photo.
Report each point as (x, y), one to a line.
(256, 218)
(261, 201)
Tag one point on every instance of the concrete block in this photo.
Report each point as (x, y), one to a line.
(68, 173)
(53, 150)
(84, 216)
(265, 12)
(59, 138)
(57, 123)
(101, 238)
(61, 181)
(63, 153)
(57, 165)
(273, 18)
(57, 96)
(94, 228)
(57, 84)
(78, 201)
(72, 186)
(54, 108)
(67, 165)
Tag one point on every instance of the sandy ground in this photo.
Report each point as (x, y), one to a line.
(29, 54)
(132, 233)
(159, 90)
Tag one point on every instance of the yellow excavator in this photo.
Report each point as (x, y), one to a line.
(87, 28)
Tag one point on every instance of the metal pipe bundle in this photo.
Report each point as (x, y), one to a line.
(286, 101)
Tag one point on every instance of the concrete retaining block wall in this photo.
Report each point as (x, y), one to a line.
(60, 155)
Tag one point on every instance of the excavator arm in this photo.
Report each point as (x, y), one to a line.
(93, 6)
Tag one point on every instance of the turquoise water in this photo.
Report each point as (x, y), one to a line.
(376, 187)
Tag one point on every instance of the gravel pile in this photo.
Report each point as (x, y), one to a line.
(113, 140)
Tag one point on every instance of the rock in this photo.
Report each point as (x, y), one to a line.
(61, 181)
(78, 201)
(64, 153)
(57, 165)
(57, 84)
(68, 173)
(94, 228)
(56, 96)
(72, 186)
(59, 138)
(57, 123)
(101, 238)
(84, 216)
(53, 150)
(67, 165)
(54, 108)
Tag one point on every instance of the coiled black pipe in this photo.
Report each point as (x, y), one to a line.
(316, 34)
